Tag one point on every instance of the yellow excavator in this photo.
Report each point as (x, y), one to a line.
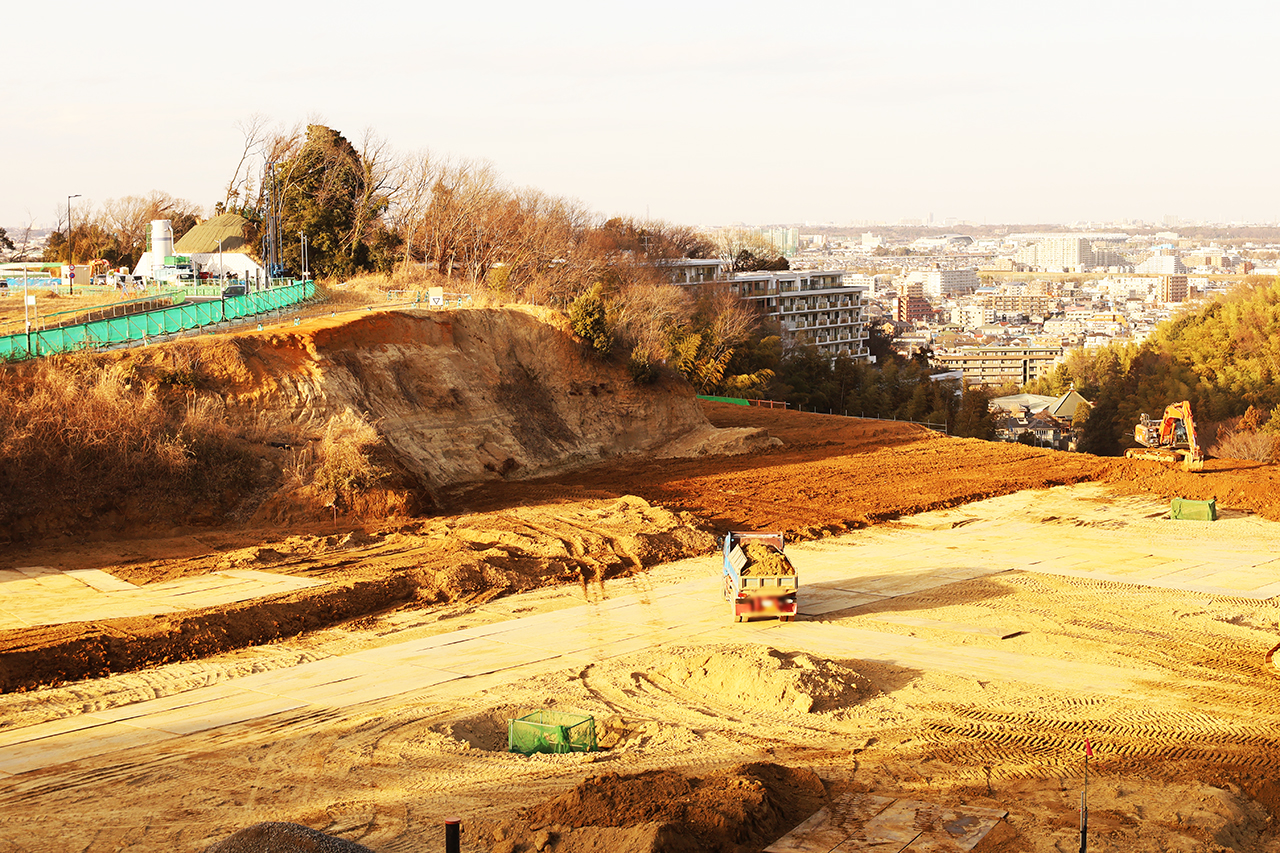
(1170, 439)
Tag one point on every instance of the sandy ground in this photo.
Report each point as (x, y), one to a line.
(964, 626)
(958, 657)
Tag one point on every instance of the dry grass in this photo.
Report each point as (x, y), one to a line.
(1243, 444)
(76, 434)
(339, 466)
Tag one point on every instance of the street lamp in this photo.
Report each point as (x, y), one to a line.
(71, 258)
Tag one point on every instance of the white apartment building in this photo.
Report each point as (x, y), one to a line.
(937, 284)
(1162, 265)
(1058, 254)
(816, 307)
(973, 316)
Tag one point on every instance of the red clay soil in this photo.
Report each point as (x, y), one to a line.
(835, 473)
(738, 810)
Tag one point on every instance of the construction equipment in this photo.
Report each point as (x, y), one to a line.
(758, 579)
(1170, 439)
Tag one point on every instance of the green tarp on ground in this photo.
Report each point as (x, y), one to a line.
(1184, 509)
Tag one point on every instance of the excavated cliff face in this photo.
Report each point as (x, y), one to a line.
(467, 395)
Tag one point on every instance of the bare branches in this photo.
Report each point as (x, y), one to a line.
(254, 129)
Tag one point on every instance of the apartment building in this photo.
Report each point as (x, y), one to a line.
(994, 366)
(816, 307)
(1058, 254)
(1020, 303)
(1173, 288)
(939, 284)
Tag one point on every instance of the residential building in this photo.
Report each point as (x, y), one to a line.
(908, 308)
(1020, 303)
(1162, 265)
(941, 284)
(1058, 254)
(994, 366)
(1173, 288)
(816, 307)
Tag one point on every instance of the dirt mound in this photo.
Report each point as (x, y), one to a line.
(276, 837)
(473, 557)
(762, 678)
(742, 809)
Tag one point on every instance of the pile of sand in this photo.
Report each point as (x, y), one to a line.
(766, 560)
(760, 678)
(742, 809)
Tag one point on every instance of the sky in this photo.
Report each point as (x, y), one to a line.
(694, 112)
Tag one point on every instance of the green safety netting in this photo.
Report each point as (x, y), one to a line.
(186, 315)
(552, 731)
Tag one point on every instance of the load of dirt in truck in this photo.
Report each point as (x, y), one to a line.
(765, 559)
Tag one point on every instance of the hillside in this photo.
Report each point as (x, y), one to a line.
(358, 413)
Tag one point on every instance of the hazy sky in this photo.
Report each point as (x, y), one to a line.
(695, 112)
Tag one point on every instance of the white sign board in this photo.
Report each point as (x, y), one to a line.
(435, 297)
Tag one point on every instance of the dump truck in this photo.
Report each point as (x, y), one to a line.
(758, 578)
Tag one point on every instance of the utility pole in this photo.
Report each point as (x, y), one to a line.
(71, 256)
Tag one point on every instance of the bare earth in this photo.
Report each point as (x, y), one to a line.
(970, 613)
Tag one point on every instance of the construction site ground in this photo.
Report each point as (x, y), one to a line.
(970, 613)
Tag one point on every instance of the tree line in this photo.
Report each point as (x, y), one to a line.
(366, 208)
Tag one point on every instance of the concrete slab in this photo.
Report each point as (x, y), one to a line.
(818, 601)
(861, 822)
(78, 744)
(41, 595)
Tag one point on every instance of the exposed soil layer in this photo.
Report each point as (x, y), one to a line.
(738, 810)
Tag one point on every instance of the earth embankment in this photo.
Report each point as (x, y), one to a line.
(468, 395)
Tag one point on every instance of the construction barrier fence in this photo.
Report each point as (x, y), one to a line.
(553, 732)
(178, 318)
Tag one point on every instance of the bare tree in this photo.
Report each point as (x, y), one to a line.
(256, 138)
(22, 241)
(380, 185)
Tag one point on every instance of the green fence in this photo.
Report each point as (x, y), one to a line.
(179, 318)
(737, 401)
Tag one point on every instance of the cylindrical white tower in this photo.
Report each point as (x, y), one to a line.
(161, 239)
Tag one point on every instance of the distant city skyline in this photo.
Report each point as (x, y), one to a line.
(827, 112)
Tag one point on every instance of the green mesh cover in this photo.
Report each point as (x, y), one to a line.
(552, 731)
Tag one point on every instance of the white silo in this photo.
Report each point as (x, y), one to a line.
(161, 240)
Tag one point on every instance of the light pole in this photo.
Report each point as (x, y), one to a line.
(71, 258)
